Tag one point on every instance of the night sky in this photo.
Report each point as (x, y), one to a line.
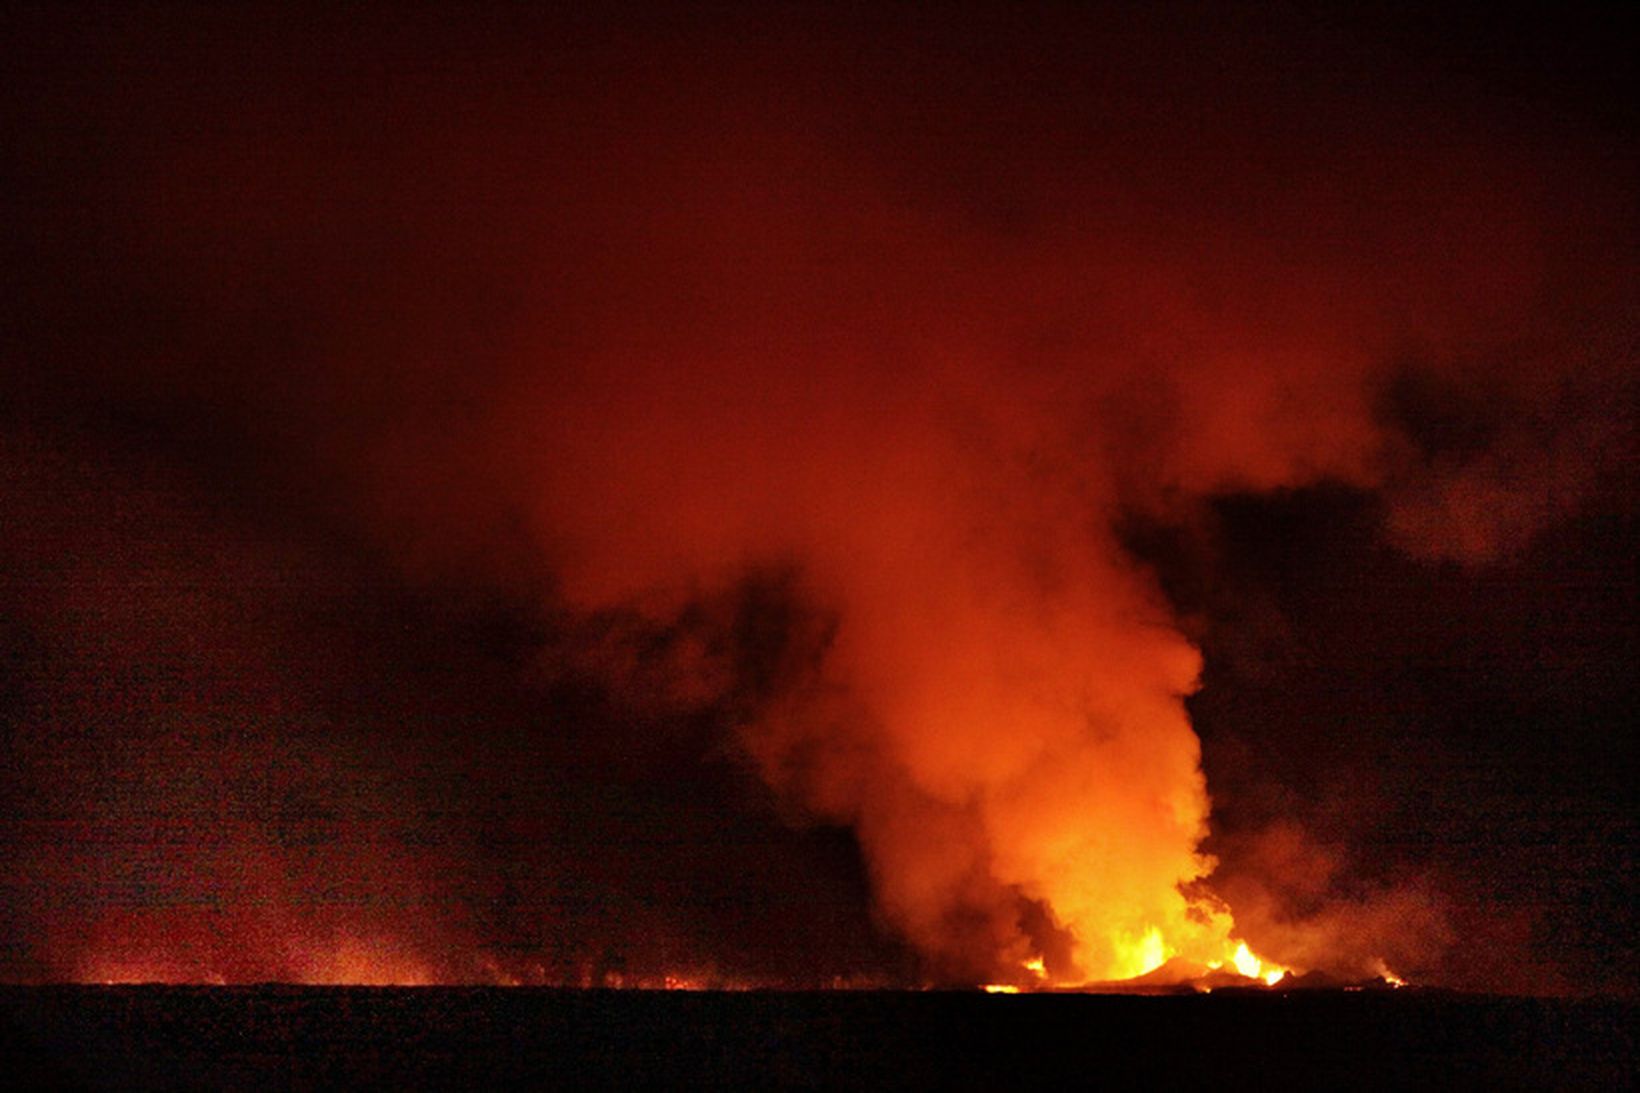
(820, 498)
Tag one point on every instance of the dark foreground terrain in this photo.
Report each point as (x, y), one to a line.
(275, 1037)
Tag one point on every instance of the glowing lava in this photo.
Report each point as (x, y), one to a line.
(1388, 976)
(1254, 968)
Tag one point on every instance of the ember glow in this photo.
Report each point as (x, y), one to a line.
(1041, 500)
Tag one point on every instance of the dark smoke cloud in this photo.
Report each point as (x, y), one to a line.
(593, 499)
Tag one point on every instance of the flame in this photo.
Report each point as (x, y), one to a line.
(1134, 959)
(1246, 963)
(1250, 965)
(1383, 972)
(1035, 967)
(1151, 952)
(681, 983)
(352, 961)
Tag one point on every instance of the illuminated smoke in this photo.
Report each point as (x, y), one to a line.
(902, 363)
(936, 433)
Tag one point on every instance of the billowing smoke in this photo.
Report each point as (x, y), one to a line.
(813, 390)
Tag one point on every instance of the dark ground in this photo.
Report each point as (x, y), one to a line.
(290, 1037)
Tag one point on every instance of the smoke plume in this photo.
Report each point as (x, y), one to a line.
(809, 385)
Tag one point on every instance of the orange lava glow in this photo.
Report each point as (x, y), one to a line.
(833, 418)
(358, 963)
(116, 972)
(1388, 976)
(354, 963)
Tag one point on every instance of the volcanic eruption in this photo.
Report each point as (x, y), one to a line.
(498, 504)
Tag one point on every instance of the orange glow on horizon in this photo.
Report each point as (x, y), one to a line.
(354, 964)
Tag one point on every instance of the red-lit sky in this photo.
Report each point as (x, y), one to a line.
(820, 496)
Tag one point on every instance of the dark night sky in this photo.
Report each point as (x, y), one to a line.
(500, 496)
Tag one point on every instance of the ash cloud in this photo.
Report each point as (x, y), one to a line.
(724, 443)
